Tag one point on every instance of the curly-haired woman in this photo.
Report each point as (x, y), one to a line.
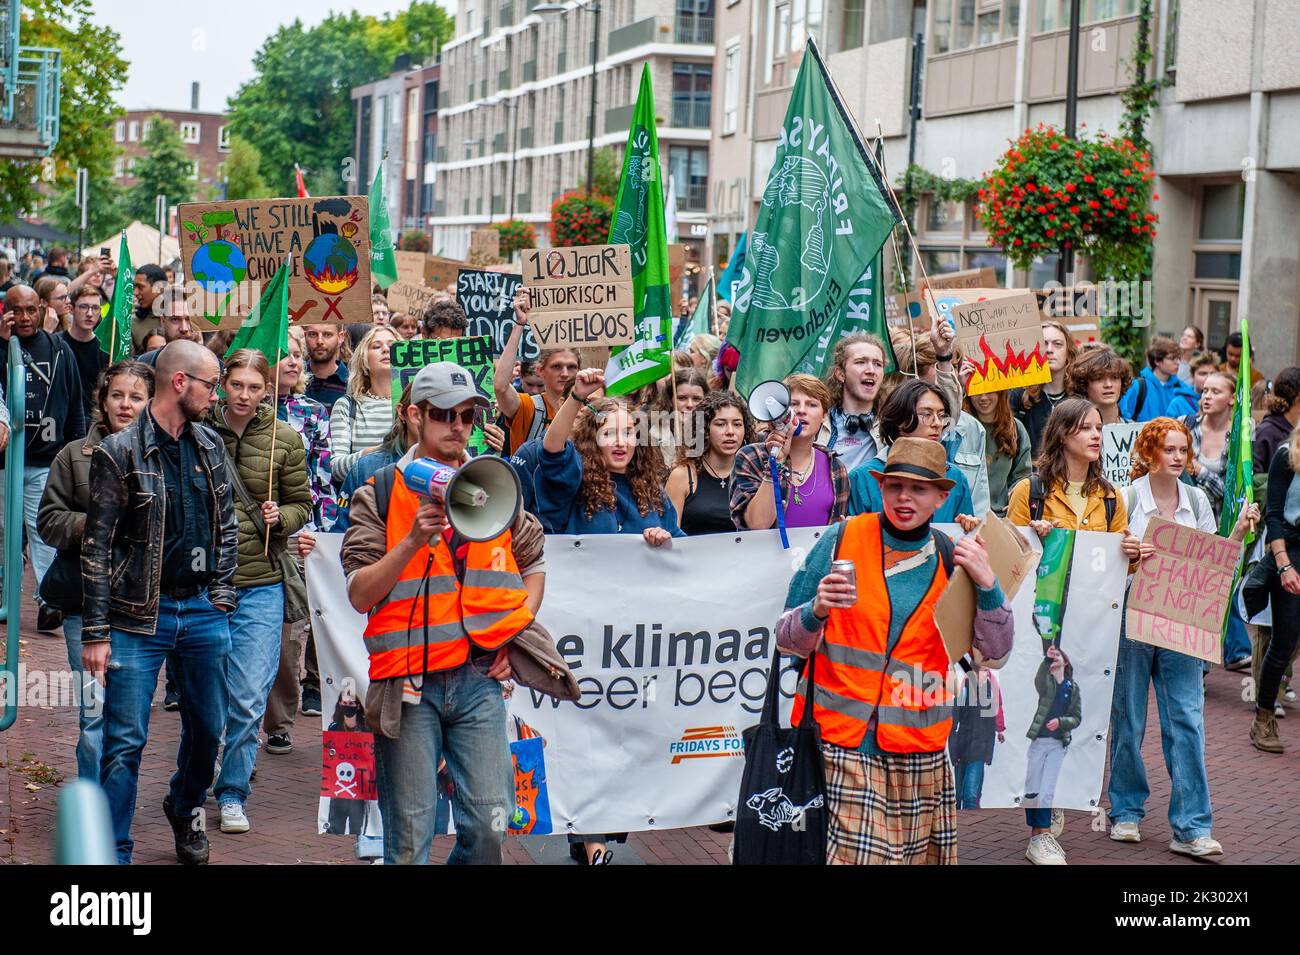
(1102, 377)
(700, 486)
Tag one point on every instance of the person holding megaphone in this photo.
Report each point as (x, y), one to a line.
(448, 567)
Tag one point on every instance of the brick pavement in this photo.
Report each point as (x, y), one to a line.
(1254, 796)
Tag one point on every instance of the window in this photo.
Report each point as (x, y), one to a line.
(965, 24)
(1217, 252)
(120, 132)
(1055, 14)
(848, 36)
(689, 168)
(944, 216)
(952, 239)
(782, 29)
(223, 138)
(730, 87)
(190, 133)
(692, 94)
(221, 172)
(146, 129)
(130, 166)
(194, 169)
(133, 131)
(119, 167)
(941, 27)
(986, 28)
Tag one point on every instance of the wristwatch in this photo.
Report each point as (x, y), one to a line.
(1283, 570)
(942, 358)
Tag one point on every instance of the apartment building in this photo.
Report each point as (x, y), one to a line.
(1226, 131)
(516, 106)
(206, 137)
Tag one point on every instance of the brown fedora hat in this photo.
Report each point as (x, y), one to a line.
(917, 459)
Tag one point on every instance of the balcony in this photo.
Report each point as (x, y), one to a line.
(680, 29)
(636, 34)
(695, 198)
(691, 113)
(689, 29)
(30, 101)
(619, 119)
(526, 138)
(530, 71)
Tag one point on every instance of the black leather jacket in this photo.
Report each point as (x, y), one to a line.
(121, 552)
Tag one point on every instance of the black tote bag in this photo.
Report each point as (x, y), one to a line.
(781, 812)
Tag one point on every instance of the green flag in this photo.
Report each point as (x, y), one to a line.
(700, 321)
(1238, 476)
(825, 213)
(383, 263)
(267, 326)
(639, 222)
(114, 329)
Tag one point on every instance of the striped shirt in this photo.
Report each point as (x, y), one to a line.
(356, 424)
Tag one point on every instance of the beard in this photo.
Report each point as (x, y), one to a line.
(194, 410)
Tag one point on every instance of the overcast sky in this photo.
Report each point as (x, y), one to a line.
(169, 46)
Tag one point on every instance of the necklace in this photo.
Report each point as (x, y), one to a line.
(797, 478)
(720, 478)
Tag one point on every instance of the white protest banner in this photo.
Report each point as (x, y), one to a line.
(1117, 451)
(672, 673)
(1180, 596)
(581, 296)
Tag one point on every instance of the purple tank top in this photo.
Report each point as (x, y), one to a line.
(810, 505)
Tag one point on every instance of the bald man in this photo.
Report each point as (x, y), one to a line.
(158, 562)
(55, 415)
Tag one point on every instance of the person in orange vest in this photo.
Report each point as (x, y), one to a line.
(882, 689)
(441, 612)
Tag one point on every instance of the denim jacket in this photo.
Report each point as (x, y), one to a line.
(121, 552)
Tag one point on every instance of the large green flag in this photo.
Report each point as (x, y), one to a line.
(700, 321)
(114, 329)
(824, 216)
(1238, 476)
(639, 222)
(267, 325)
(383, 263)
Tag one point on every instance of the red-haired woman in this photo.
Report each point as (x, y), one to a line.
(1162, 451)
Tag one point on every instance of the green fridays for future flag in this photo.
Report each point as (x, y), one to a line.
(824, 216)
(267, 326)
(383, 263)
(639, 222)
(1238, 476)
(114, 329)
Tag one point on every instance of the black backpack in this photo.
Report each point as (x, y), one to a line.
(1038, 494)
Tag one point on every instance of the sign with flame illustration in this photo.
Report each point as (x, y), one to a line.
(1002, 333)
(231, 250)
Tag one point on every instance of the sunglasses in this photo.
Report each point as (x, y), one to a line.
(448, 415)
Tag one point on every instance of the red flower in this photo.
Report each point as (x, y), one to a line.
(1108, 192)
(1074, 210)
(1041, 209)
(1088, 179)
(1094, 204)
(1070, 187)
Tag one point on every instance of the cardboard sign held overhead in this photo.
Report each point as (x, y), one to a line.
(485, 243)
(1003, 336)
(472, 354)
(410, 266)
(488, 301)
(1180, 595)
(431, 270)
(1076, 308)
(580, 296)
(1013, 561)
(966, 278)
(231, 250)
(1117, 442)
(406, 298)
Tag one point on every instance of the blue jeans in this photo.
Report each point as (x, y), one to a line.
(250, 672)
(197, 636)
(970, 784)
(1236, 642)
(90, 701)
(461, 717)
(41, 553)
(1180, 699)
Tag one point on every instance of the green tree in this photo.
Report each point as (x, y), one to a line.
(93, 72)
(298, 106)
(243, 172)
(163, 170)
(605, 169)
(105, 212)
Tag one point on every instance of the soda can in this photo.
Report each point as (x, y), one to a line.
(849, 570)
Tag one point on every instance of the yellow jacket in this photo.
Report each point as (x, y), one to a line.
(1056, 507)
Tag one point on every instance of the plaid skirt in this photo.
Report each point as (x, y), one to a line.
(895, 809)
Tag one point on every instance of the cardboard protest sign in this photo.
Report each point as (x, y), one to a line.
(406, 298)
(1117, 451)
(485, 243)
(676, 268)
(410, 266)
(488, 300)
(1012, 559)
(431, 270)
(1003, 336)
(348, 765)
(906, 311)
(965, 278)
(472, 354)
(580, 296)
(231, 250)
(1180, 595)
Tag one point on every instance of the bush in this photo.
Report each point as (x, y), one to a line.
(580, 219)
(515, 235)
(414, 240)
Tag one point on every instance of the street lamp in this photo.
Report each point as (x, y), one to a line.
(593, 7)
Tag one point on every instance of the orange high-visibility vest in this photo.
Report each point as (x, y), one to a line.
(855, 675)
(487, 609)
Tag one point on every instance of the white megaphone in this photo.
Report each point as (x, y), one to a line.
(482, 497)
(770, 401)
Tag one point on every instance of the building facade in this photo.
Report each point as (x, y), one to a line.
(1225, 133)
(516, 97)
(206, 137)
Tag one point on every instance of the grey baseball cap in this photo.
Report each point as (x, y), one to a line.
(444, 384)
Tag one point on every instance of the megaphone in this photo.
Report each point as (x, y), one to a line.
(770, 401)
(482, 497)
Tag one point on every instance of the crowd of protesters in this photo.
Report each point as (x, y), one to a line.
(166, 517)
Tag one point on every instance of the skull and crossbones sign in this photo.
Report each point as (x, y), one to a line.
(345, 781)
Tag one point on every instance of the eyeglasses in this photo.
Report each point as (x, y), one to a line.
(931, 417)
(212, 385)
(86, 307)
(448, 415)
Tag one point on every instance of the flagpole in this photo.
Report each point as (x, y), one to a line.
(898, 261)
(713, 297)
(270, 468)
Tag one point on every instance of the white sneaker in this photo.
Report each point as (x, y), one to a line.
(1288, 697)
(1125, 832)
(1058, 823)
(1278, 711)
(1204, 846)
(1045, 850)
(233, 818)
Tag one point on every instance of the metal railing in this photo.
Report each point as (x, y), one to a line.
(619, 118)
(688, 29)
(692, 112)
(678, 29)
(16, 397)
(83, 829)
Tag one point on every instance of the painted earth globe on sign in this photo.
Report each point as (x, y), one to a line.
(218, 265)
(330, 263)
